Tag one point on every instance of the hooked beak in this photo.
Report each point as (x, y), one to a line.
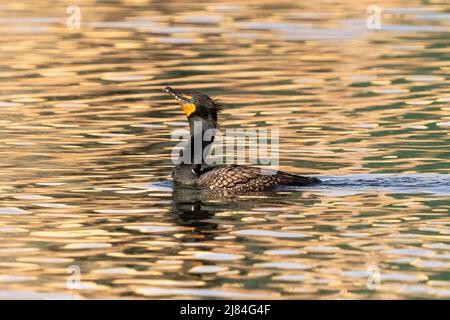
(176, 94)
(184, 100)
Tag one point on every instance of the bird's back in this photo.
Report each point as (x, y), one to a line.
(235, 178)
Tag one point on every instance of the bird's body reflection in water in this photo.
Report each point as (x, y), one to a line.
(197, 209)
(191, 210)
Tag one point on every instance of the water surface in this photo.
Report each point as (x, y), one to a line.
(85, 143)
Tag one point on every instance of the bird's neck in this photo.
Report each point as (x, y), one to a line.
(202, 133)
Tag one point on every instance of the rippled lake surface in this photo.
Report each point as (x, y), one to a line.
(85, 143)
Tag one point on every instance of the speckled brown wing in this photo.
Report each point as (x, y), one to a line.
(235, 178)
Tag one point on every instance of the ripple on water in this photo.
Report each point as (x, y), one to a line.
(32, 295)
(154, 228)
(284, 265)
(415, 290)
(322, 249)
(17, 251)
(419, 102)
(16, 278)
(12, 230)
(438, 245)
(32, 197)
(354, 234)
(268, 233)
(130, 211)
(389, 90)
(124, 77)
(418, 127)
(70, 233)
(212, 256)
(290, 277)
(431, 264)
(71, 105)
(159, 187)
(113, 271)
(443, 124)
(410, 252)
(13, 211)
(202, 19)
(53, 205)
(281, 252)
(7, 104)
(85, 245)
(50, 184)
(424, 78)
(394, 277)
(45, 260)
(207, 269)
(206, 293)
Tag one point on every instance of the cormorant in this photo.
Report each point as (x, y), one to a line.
(201, 112)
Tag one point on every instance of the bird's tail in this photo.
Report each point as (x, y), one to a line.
(303, 181)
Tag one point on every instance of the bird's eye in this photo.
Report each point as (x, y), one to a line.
(193, 100)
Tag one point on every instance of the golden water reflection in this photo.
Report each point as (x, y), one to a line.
(85, 138)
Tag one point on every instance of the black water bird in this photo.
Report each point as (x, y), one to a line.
(202, 113)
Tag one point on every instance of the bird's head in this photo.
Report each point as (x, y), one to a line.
(195, 104)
